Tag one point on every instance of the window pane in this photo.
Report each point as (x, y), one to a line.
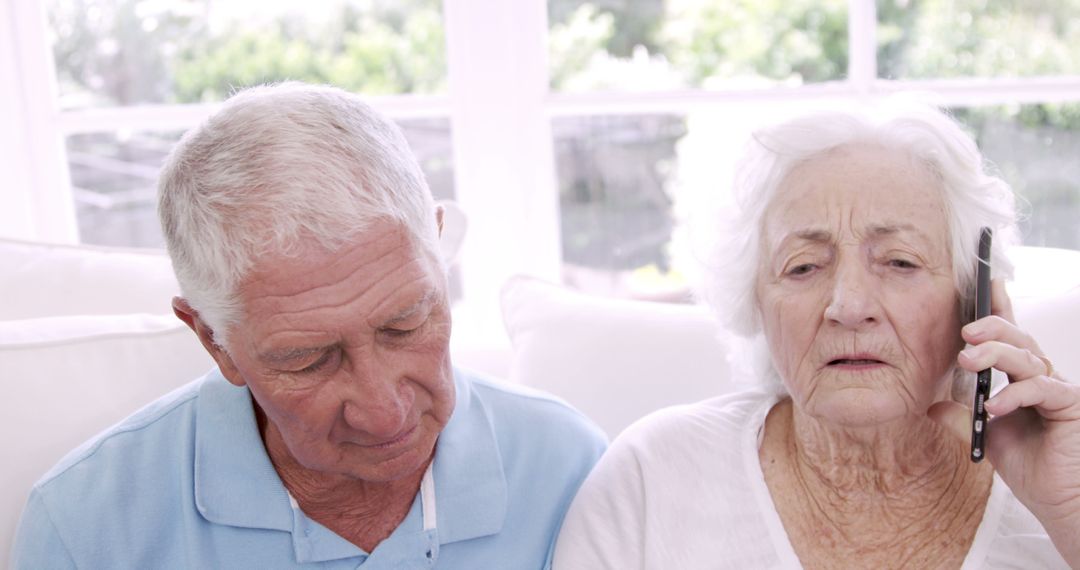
(638, 193)
(114, 178)
(635, 193)
(658, 44)
(920, 39)
(126, 52)
(1034, 147)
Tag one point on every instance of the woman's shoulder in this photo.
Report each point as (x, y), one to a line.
(676, 482)
(716, 422)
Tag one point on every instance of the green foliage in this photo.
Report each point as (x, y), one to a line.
(935, 39)
(978, 38)
(634, 22)
(124, 52)
(377, 51)
(700, 41)
(794, 40)
(575, 43)
(112, 52)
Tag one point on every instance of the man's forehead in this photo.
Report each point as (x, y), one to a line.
(381, 248)
(375, 277)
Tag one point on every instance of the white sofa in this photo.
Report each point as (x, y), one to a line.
(87, 336)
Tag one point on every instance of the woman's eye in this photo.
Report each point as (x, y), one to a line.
(902, 264)
(802, 269)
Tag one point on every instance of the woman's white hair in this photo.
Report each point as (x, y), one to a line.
(274, 167)
(973, 199)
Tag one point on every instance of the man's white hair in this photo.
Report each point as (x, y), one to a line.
(972, 197)
(275, 167)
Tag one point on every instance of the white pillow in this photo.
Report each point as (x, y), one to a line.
(67, 378)
(1043, 271)
(41, 280)
(1052, 322)
(614, 360)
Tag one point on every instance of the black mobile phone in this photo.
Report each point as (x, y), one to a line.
(982, 380)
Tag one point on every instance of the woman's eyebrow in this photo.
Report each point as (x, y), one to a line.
(814, 235)
(885, 230)
(889, 229)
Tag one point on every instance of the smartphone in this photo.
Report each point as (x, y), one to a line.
(982, 379)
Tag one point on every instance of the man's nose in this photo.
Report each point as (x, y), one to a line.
(854, 302)
(377, 403)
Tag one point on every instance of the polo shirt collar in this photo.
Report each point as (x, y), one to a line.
(470, 485)
(236, 484)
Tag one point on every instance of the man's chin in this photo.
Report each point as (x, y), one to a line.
(410, 463)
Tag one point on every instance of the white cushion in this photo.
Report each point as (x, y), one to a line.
(1052, 321)
(41, 280)
(67, 378)
(1046, 300)
(614, 360)
(1043, 271)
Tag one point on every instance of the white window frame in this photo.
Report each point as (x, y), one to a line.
(500, 108)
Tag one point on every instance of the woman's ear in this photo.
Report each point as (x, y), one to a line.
(183, 311)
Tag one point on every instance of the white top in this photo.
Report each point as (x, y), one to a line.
(683, 488)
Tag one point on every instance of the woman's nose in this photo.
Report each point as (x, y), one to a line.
(853, 304)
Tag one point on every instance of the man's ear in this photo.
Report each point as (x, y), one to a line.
(452, 227)
(191, 318)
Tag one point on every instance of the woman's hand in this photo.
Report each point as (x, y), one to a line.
(1033, 440)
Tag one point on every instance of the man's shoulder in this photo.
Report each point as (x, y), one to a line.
(531, 413)
(131, 483)
(147, 436)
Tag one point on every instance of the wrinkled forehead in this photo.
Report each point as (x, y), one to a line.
(383, 249)
(860, 193)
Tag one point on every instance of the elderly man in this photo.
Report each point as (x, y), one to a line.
(334, 431)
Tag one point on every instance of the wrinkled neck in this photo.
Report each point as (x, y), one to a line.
(880, 497)
(891, 460)
(897, 475)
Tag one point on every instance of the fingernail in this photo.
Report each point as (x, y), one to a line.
(967, 354)
(973, 329)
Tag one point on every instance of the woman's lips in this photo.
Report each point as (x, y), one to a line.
(855, 363)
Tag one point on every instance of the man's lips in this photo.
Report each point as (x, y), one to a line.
(405, 435)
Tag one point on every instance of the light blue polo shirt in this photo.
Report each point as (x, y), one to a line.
(186, 483)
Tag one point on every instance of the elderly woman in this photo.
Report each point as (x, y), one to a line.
(849, 269)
